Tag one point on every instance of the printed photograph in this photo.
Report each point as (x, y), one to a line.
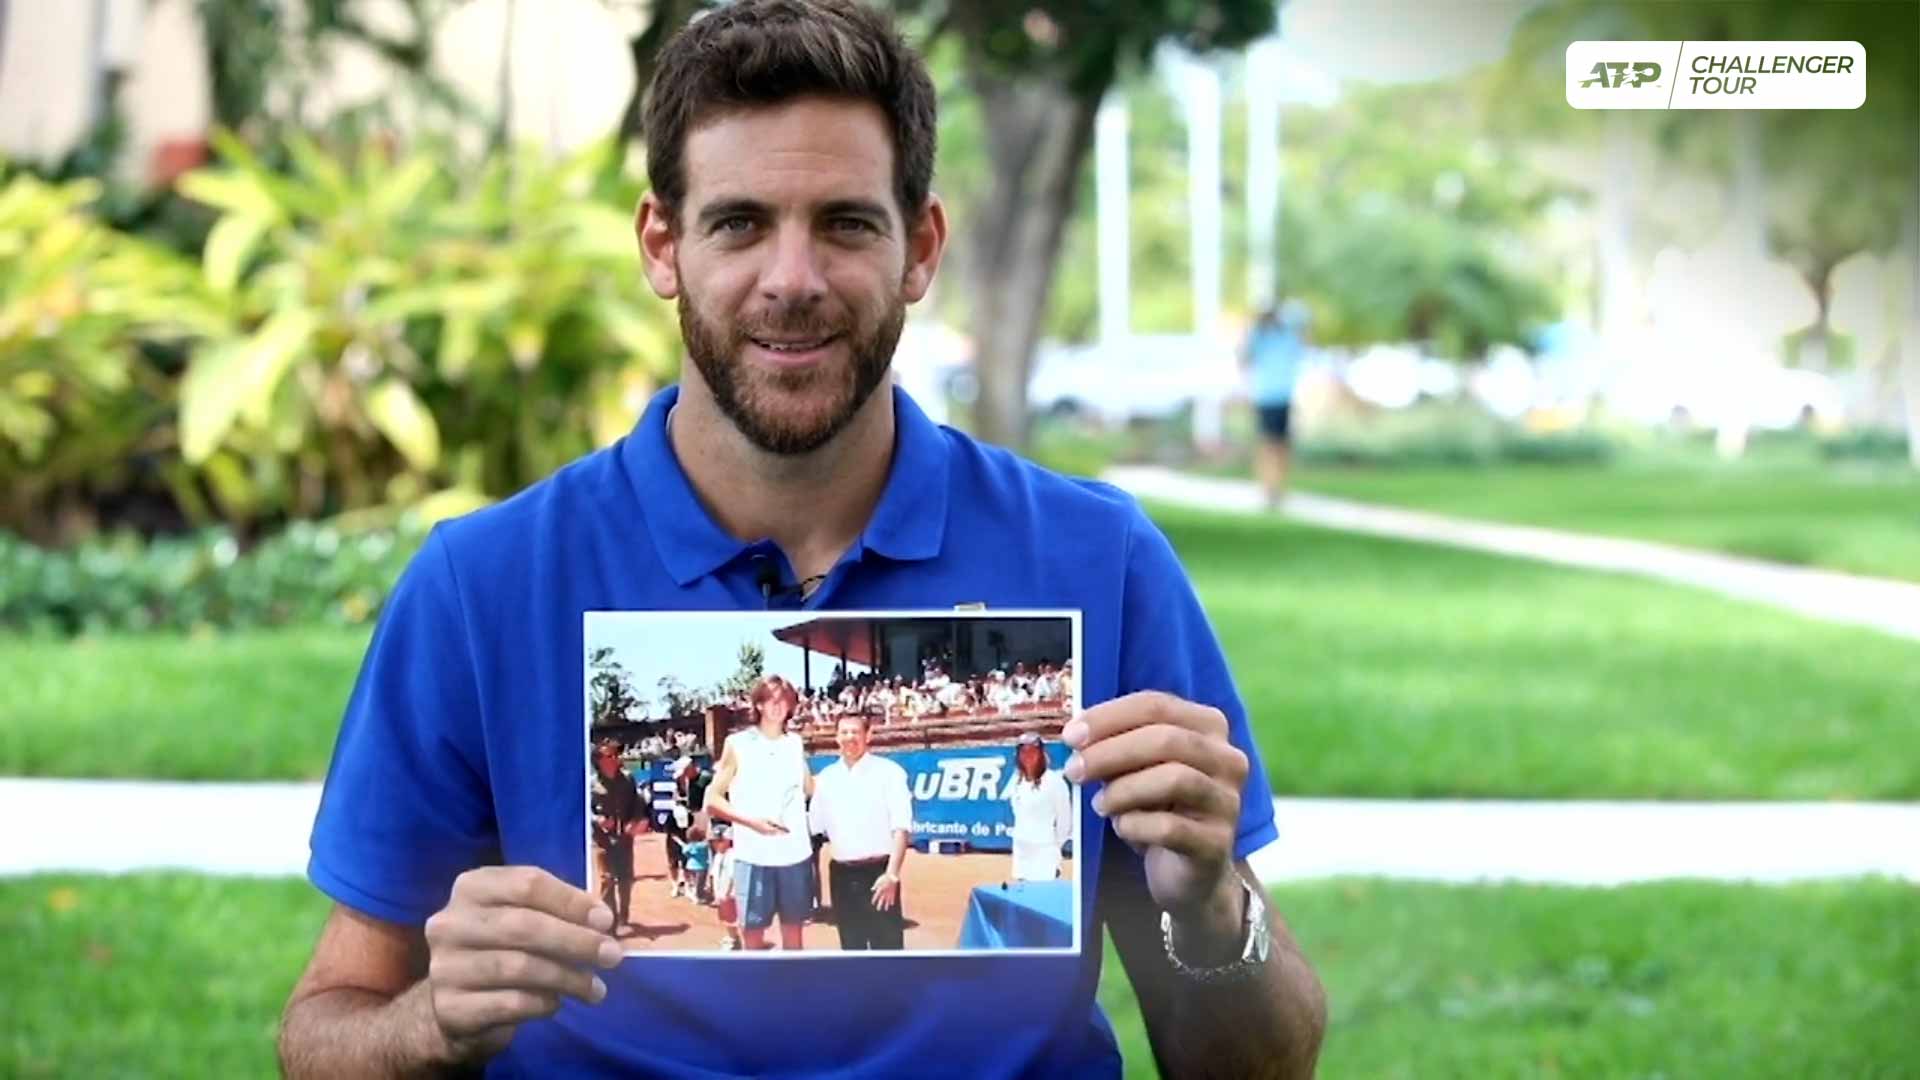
(788, 782)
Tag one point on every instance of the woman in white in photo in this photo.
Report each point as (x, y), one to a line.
(1042, 812)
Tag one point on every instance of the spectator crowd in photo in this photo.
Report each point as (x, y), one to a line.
(666, 746)
(936, 696)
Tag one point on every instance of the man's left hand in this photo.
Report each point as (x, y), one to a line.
(1172, 793)
(886, 890)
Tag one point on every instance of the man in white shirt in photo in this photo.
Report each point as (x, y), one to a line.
(862, 804)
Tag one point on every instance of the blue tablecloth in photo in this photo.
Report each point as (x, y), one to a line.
(1024, 915)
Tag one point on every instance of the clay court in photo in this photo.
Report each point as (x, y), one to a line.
(936, 891)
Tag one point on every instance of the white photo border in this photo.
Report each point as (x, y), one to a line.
(779, 615)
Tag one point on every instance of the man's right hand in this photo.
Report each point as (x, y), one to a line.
(509, 943)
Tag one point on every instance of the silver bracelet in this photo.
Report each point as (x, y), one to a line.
(1257, 942)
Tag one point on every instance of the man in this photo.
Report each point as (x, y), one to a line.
(673, 816)
(863, 806)
(1274, 351)
(1001, 693)
(952, 695)
(790, 152)
(762, 786)
(617, 812)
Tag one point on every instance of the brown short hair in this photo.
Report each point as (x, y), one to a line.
(768, 688)
(765, 52)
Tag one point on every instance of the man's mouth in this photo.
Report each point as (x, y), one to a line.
(794, 345)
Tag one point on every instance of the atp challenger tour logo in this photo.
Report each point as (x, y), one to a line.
(1618, 73)
(1716, 75)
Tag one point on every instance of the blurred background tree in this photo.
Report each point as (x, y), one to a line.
(1038, 72)
(1813, 188)
(386, 305)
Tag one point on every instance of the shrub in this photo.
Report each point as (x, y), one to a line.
(396, 330)
(1866, 444)
(81, 309)
(307, 574)
(1438, 435)
(364, 329)
(1068, 450)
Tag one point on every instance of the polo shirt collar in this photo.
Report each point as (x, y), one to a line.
(909, 523)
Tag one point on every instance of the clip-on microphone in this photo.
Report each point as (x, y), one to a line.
(766, 574)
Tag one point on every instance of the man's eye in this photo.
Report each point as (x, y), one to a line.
(852, 225)
(735, 224)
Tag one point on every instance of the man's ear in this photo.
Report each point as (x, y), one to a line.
(926, 242)
(653, 225)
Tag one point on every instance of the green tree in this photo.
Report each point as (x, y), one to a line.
(679, 701)
(1039, 71)
(659, 21)
(752, 664)
(258, 47)
(1811, 187)
(1402, 222)
(610, 694)
(1160, 299)
(252, 45)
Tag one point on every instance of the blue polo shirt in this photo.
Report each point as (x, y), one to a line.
(461, 744)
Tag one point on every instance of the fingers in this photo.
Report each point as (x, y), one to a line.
(511, 942)
(468, 1014)
(1169, 786)
(1140, 748)
(489, 971)
(1137, 710)
(1208, 840)
(523, 930)
(530, 887)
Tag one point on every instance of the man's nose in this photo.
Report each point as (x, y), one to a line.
(795, 275)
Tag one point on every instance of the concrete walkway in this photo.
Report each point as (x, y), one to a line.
(109, 826)
(1889, 606)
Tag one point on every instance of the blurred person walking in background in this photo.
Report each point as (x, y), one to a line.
(1275, 347)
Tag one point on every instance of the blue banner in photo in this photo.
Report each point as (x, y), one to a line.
(959, 793)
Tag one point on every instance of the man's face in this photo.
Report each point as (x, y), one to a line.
(852, 737)
(775, 710)
(791, 264)
(607, 763)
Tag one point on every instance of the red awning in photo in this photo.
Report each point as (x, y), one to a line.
(849, 638)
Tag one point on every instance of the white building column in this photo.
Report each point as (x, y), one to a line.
(1112, 209)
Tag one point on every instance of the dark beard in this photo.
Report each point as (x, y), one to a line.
(748, 398)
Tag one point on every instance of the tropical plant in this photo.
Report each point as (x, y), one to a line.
(80, 306)
(396, 334)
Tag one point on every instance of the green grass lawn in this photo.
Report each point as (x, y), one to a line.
(1371, 667)
(1677, 980)
(1374, 667)
(1861, 518)
(257, 705)
(176, 975)
(148, 975)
